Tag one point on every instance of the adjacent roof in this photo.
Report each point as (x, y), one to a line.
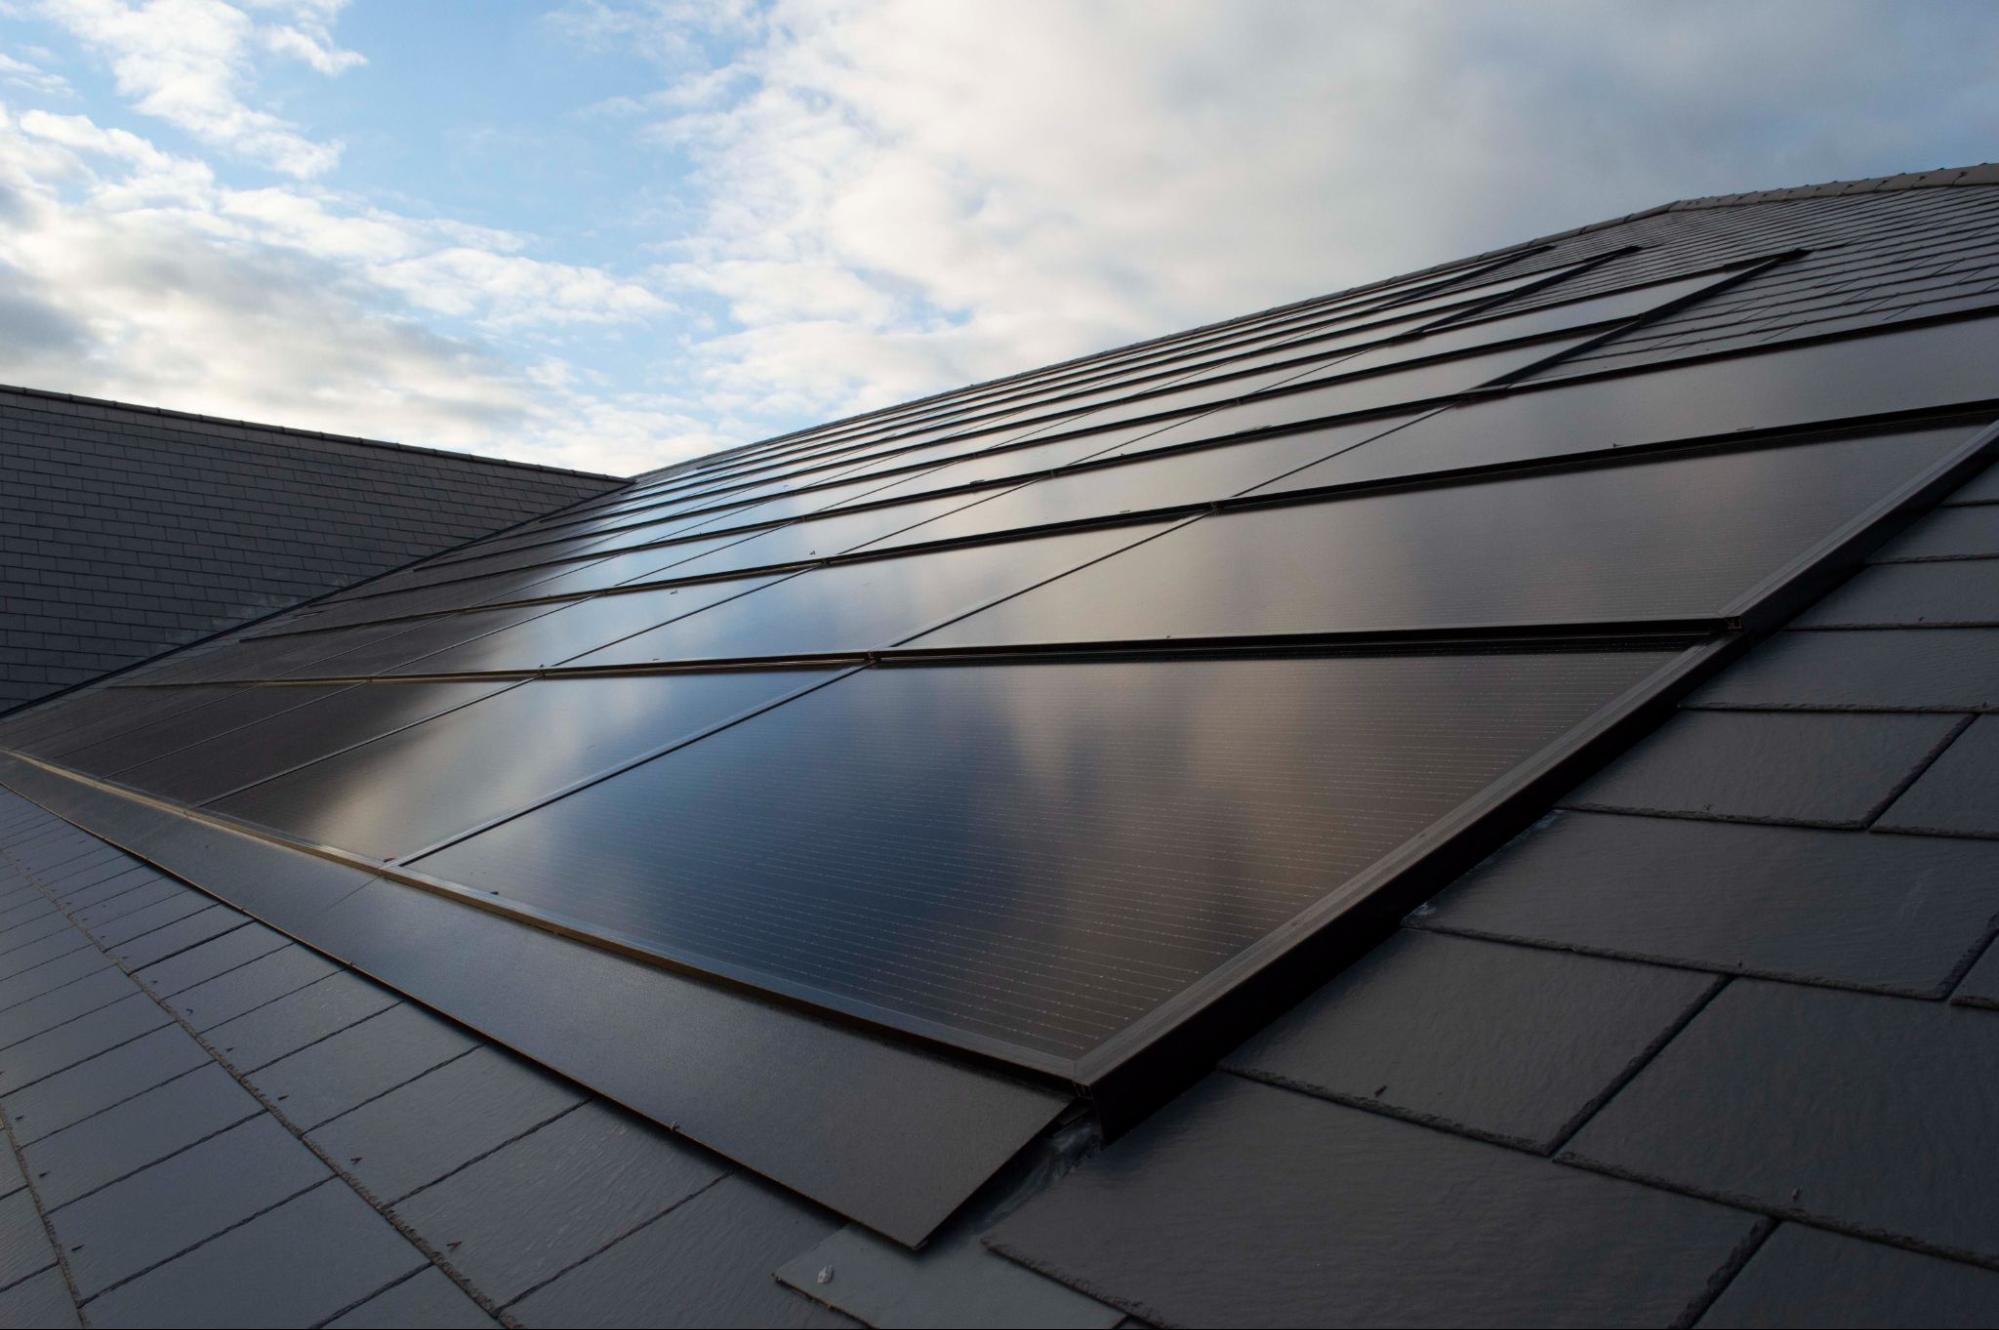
(1219, 653)
(127, 531)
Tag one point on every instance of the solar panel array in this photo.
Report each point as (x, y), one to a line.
(1029, 719)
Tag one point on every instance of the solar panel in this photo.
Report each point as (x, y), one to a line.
(859, 607)
(396, 795)
(1032, 855)
(321, 721)
(1672, 538)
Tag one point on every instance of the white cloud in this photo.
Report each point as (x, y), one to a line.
(188, 62)
(129, 272)
(899, 196)
(30, 77)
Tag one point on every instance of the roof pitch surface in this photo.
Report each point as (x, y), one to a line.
(1622, 1046)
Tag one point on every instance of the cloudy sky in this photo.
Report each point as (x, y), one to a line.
(610, 233)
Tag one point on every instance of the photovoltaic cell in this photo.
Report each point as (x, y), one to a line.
(856, 607)
(399, 794)
(1671, 538)
(575, 628)
(1434, 444)
(334, 720)
(1201, 476)
(244, 706)
(1035, 854)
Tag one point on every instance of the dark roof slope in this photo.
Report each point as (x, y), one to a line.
(1711, 1039)
(127, 531)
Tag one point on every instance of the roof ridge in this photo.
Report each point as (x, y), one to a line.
(356, 439)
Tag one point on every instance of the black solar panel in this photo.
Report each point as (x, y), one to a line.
(1035, 855)
(1674, 538)
(400, 794)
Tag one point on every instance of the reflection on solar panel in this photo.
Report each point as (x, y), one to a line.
(1061, 721)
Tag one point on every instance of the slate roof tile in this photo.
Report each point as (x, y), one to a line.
(1957, 593)
(367, 1059)
(589, 1177)
(42, 1301)
(119, 1141)
(442, 1120)
(1246, 1204)
(66, 1045)
(309, 1258)
(1959, 794)
(24, 1243)
(318, 1011)
(98, 1083)
(1851, 909)
(1807, 1276)
(159, 1212)
(1788, 1098)
(1508, 1043)
(1806, 770)
(1953, 669)
(248, 987)
(704, 1262)
(426, 1301)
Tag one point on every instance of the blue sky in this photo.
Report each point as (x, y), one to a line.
(611, 233)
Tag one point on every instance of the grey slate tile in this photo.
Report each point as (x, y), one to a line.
(1808, 770)
(132, 878)
(1869, 1114)
(25, 913)
(113, 932)
(28, 934)
(39, 1015)
(353, 1066)
(418, 1133)
(40, 1301)
(1946, 533)
(24, 1242)
(1855, 909)
(132, 1225)
(248, 987)
(217, 956)
(156, 894)
(1959, 594)
(707, 1262)
(426, 1301)
(1959, 794)
(295, 1265)
(121, 1140)
(1245, 1204)
(954, 1281)
(51, 975)
(1806, 1276)
(202, 926)
(32, 954)
(1945, 669)
(28, 1061)
(1511, 1043)
(110, 1078)
(318, 1010)
(587, 1178)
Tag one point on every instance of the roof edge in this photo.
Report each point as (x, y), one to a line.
(356, 439)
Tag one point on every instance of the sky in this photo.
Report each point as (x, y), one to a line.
(612, 234)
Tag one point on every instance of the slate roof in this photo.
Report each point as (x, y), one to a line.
(1709, 1042)
(127, 531)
